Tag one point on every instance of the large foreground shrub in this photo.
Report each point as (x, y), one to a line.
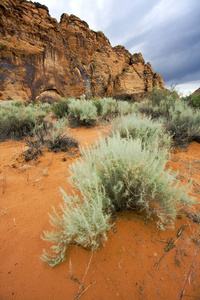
(118, 174)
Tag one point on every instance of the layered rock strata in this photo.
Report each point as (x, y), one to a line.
(43, 60)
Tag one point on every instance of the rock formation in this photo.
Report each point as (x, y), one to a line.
(41, 59)
(196, 92)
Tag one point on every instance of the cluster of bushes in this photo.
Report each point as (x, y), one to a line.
(88, 112)
(22, 120)
(125, 171)
(179, 118)
(27, 121)
(17, 119)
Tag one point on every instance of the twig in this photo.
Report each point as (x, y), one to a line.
(158, 263)
(189, 274)
(72, 277)
(171, 244)
(79, 295)
(81, 285)
(180, 230)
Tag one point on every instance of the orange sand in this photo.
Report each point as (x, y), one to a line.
(126, 268)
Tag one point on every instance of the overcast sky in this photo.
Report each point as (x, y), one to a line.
(166, 32)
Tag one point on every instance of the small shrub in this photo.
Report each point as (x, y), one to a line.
(82, 112)
(145, 129)
(61, 108)
(83, 222)
(18, 120)
(106, 107)
(181, 120)
(125, 108)
(118, 174)
(49, 135)
(158, 95)
(193, 100)
(57, 138)
(183, 123)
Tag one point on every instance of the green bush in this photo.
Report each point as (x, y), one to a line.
(82, 112)
(61, 108)
(181, 120)
(105, 107)
(18, 120)
(109, 107)
(142, 128)
(183, 123)
(158, 95)
(158, 107)
(193, 100)
(53, 136)
(118, 174)
(125, 108)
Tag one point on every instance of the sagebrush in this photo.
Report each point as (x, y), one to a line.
(18, 120)
(53, 136)
(143, 128)
(116, 174)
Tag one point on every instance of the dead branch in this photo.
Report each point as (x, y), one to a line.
(190, 272)
(79, 295)
(158, 263)
(72, 277)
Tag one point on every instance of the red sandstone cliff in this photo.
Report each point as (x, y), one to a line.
(41, 58)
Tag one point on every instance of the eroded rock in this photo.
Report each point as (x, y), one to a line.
(43, 60)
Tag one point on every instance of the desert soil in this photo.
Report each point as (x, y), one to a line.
(133, 264)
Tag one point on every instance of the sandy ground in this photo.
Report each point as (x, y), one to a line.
(134, 263)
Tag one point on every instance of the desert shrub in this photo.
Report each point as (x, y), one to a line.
(116, 174)
(52, 136)
(108, 107)
(193, 100)
(41, 108)
(125, 108)
(83, 222)
(183, 123)
(61, 108)
(82, 112)
(158, 95)
(17, 119)
(181, 120)
(142, 128)
(158, 107)
(58, 139)
(105, 107)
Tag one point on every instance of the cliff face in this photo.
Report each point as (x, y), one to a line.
(41, 59)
